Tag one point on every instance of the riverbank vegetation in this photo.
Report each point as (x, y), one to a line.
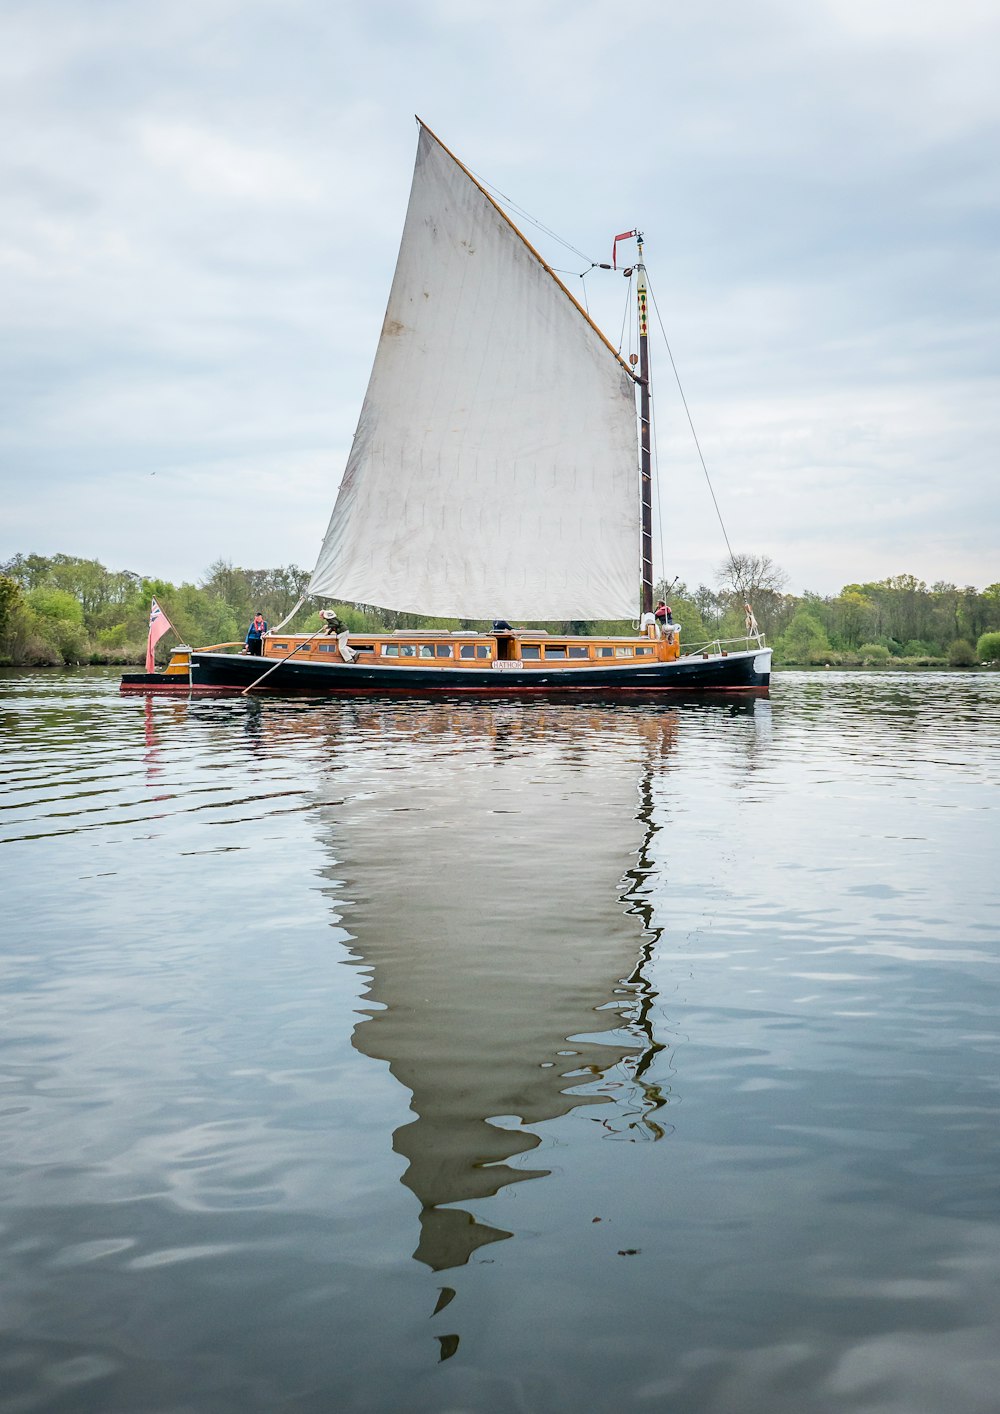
(62, 609)
(898, 622)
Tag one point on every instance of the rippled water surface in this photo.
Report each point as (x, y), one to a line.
(500, 1057)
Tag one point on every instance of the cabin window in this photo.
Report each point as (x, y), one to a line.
(443, 650)
(474, 650)
(278, 647)
(643, 652)
(623, 653)
(555, 651)
(605, 652)
(328, 648)
(407, 650)
(530, 652)
(390, 650)
(578, 650)
(425, 650)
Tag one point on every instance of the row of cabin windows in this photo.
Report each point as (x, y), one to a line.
(534, 651)
(321, 647)
(435, 650)
(530, 652)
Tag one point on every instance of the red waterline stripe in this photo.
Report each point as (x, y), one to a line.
(202, 691)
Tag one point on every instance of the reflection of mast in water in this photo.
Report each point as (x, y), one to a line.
(484, 879)
(635, 1111)
(661, 731)
(653, 1098)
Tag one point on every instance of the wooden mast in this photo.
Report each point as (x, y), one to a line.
(646, 462)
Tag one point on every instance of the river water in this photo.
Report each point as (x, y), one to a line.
(477, 1057)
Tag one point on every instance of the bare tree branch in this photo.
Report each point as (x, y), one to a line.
(748, 576)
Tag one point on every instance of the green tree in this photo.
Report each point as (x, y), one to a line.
(988, 647)
(57, 619)
(710, 607)
(803, 641)
(11, 599)
(13, 618)
(903, 608)
(854, 618)
(685, 610)
(28, 570)
(273, 591)
(961, 654)
(56, 604)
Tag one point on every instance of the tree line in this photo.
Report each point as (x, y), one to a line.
(62, 609)
(899, 620)
(65, 609)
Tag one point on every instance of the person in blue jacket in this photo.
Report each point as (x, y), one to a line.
(255, 634)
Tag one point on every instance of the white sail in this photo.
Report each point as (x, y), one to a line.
(494, 468)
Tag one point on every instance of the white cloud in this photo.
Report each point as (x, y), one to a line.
(202, 204)
(211, 162)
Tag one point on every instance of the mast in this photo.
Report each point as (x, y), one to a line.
(645, 460)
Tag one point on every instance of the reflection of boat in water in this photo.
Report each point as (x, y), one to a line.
(489, 898)
(499, 467)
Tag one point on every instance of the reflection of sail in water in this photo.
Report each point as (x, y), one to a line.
(487, 898)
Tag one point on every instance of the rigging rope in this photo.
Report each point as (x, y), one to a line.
(288, 617)
(626, 315)
(596, 264)
(687, 410)
(512, 206)
(583, 286)
(527, 216)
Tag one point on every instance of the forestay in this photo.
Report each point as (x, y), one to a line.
(494, 468)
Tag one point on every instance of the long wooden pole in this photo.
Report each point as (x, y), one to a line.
(644, 439)
(257, 681)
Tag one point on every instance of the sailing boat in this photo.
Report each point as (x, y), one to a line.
(498, 472)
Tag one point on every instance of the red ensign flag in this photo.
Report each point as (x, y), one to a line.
(158, 626)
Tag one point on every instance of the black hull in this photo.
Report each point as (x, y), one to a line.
(220, 674)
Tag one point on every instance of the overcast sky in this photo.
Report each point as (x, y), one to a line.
(202, 203)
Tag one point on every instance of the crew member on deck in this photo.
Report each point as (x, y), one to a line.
(255, 634)
(663, 615)
(335, 625)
